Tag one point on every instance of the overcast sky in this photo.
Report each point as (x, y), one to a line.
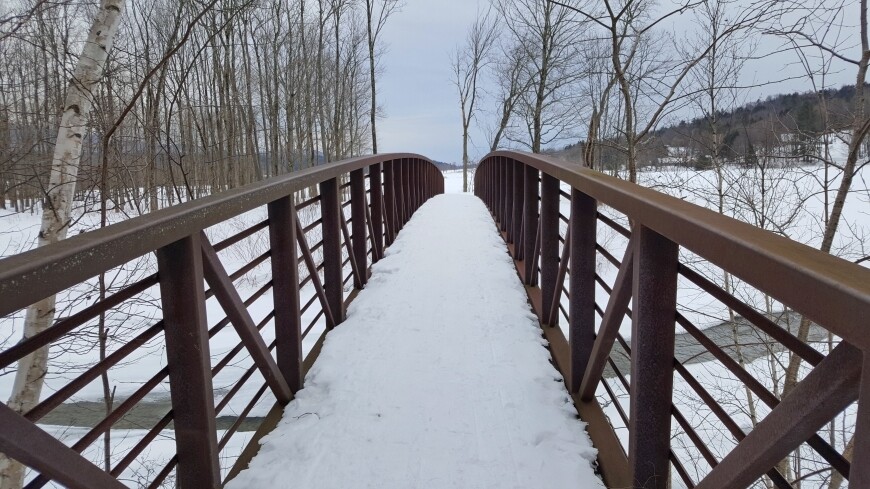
(418, 97)
(416, 90)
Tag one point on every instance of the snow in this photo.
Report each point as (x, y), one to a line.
(439, 377)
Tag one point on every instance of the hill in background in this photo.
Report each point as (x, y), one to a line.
(794, 126)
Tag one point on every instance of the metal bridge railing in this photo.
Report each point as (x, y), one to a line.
(361, 205)
(539, 203)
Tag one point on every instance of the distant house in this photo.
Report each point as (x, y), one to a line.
(678, 156)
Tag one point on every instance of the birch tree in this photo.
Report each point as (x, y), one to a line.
(32, 369)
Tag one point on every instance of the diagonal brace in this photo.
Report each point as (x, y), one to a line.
(824, 393)
(24, 441)
(232, 303)
(616, 307)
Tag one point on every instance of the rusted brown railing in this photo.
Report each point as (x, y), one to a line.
(525, 192)
(382, 192)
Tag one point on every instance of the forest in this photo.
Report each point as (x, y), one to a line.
(196, 97)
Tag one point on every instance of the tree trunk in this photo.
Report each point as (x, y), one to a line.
(31, 372)
(371, 39)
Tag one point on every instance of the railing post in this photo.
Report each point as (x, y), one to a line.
(410, 203)
(652, 338)
(187, 353)
(530, 222)
(285, 290)
(399, 168)
(390, 201)
(377, 210)
(581, 284)
(418, 178)
(493, 182)
(859, 475)
(358, 225)
(517, 207)
(499, 193)
(508, 185)
(330, 209)
(549, 247)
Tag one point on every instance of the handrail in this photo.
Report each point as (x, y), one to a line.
(523, 193)
(362, 204)
(833, 292)
(50, 269)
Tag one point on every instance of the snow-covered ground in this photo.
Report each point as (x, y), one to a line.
(438, 377)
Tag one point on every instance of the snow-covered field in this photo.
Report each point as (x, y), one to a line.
(790, 202)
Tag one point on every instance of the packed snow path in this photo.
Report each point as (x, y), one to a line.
(437, 379)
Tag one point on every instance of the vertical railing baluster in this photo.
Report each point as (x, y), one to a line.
(330, 209)
(530, 222)
(359, 238)
(581, 284)
(285, 290)
(652, 341)
(549, 246)
(187, 353)
(376, 203)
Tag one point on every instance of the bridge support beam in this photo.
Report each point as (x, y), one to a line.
(358, 226)
(581, 284)
(549, 248)
(652, 338)
(390, 201)
(530, 222)
(376, 202)
(330, 208)
(285, 290)
(517, 207)
(400, 171)
(189, 361)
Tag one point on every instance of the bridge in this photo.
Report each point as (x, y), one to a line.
(413, 338)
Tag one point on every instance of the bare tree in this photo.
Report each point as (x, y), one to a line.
(549, 34)
(468, 62)
(631, 26)
(376, 18)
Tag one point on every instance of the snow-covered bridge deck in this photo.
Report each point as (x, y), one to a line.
(438, 377)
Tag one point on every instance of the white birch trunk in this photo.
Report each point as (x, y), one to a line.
(31, 372)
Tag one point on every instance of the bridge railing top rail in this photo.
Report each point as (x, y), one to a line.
(47, 270)
(833, 292)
